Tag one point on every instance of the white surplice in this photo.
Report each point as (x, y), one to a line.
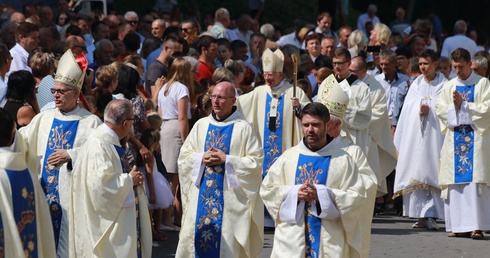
(419, 141)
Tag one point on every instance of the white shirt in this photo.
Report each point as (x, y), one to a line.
(3, 92)
(458, 41)
(289, 39)
(19, 62)
(168, 103)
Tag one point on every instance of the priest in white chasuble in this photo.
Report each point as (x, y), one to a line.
(319, 194)
(382, 153)
(419, 141)
(272, 109)
(25, 223)
(358, 115)
(221, 168)
(464, 170)
(51, 140)
(108, 209)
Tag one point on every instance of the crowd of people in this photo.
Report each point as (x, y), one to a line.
(115, 129)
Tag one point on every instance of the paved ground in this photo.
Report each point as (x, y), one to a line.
(392, 236)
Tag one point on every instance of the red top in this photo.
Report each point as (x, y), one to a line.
(205, 71)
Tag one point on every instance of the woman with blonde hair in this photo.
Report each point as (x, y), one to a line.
(174, 108)
(356, 43)
(380, 36)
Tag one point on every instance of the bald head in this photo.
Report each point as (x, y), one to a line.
(76, 44)
(17, 17)
(223, 98)
(358, 67)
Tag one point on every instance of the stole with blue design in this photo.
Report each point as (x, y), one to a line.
(61, 137)
(313, 170)
(464, 138)
(210, 206)
(272, 138)
(24, 210)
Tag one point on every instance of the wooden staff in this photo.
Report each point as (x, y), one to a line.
(294, 58)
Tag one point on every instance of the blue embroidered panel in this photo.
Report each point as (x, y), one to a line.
(209, 215)
(464, 139)
(272, 140)
(126, 169)
(314, 170)
(24, 202)
(62, 136)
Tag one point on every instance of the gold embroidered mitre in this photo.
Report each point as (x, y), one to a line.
(272, 61)
(71, 71)
(333, 97)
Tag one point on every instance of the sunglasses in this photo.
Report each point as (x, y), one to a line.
(132, 22)
(82, 47)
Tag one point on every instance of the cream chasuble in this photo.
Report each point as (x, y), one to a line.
(382, 152)
(103, 205)
(467, 142)
(257, 107)
(24, 216)
(345, 200)
(47, 132)
(228, 222)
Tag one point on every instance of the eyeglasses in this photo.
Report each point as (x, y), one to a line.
(82, 47)
(220, 98)
(131, 119)
(185, 29)
(339, 63)
(60, 91)
(132, 22)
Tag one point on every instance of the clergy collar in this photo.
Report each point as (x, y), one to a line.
(234, 114)
(331, 143)
(471, 77)
(279, 86)
(350, 79)
(69, 113)
(435, 78)
(111, 132)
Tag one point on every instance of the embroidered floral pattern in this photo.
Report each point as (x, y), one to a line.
(24, 209)
(312, 170)
(209, 215)
(272, 140)
(463, 142)
(61, 137)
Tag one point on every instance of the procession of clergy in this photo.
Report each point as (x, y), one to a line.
(317, 167)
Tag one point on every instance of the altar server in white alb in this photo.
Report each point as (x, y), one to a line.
(419, 141)
(52, 139)
(464, 171)
(272, 109)
(317, 195)
(108, 209)
(25, 228)
(221, 167)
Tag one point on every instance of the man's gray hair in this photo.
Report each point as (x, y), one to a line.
(481, 61)
(459, 27)
(117, 111)
(130, 14)
(221, 14)
(101, 42)
(335, 118)
(268, 30)
(388, 53)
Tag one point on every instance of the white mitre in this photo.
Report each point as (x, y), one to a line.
(71, 72)
(272, 61)
(333, 96)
